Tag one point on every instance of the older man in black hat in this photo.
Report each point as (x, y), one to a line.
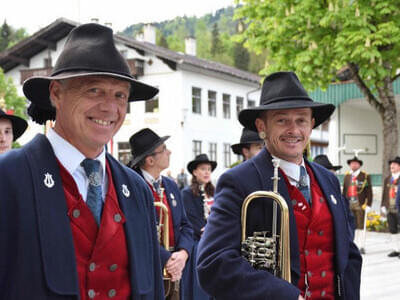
(324, 263)
(250, 144)
(74, 222)
(324, 161)
(11, 128)
(150, 156)
(357, 188)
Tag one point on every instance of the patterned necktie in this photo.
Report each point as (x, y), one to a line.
(157, 186)
(303, 186)
(94, 198)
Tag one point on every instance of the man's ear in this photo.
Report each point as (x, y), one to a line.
(260, 125)
(55, 90)
(312, 123)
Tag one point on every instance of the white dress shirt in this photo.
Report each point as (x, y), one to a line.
(71, 159)
(292, 171)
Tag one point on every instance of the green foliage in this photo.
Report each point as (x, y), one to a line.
(316, 38)
(8, 92)
(10, 36)
(213, 33)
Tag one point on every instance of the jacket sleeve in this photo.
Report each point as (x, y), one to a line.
(185, 240)
(369, 190)
(223, 272)
(190, 209)
(352, 274)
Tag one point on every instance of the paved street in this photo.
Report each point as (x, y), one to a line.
(381, 274)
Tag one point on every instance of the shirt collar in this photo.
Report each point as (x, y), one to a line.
(148, 177)
(291, 170)
(68, 155)
(356, 173)
(395, 175)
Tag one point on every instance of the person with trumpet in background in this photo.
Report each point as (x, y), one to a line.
(323, 263)
(150, 156)
(197, 199)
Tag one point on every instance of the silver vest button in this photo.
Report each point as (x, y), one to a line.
(76, 213)
(113, 267)
(117, 218)
(92, 267)
(112, 293)
(91, 293)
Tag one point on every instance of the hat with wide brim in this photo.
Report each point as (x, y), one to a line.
(143, 143)
(248, 137)
(19, 125)
(201, 159)
(355, 158)
(323, 160)
(88, 51)
(283, 90)
(395, 160)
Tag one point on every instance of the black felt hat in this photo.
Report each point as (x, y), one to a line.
(395, 160)
(283, 90)
(323, 160)
(88, 51)
(248, 137)
(143, 144)
(201, 159)
(19, 125)
(355, 158)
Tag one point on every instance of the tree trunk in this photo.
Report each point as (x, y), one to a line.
(390, 136)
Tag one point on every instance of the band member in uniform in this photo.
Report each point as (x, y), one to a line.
(197, 200)
(323, 160)
(357, 189)
(150, 157)
(74, 222)
(389, 208)
(324, 261)
(11, 128)
(250, 144)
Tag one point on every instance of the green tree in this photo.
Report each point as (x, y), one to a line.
(241, 57)
(9, 36)
(9, 96)
(216, 45)
(317, 38)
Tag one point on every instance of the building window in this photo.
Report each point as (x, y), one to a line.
(239, 104)
(124, 152)
(226, 106)
(196, 100)
(251, 103)
(212, 103)
(212, 151)
(47, 62)
(227, 155)
(196, 148)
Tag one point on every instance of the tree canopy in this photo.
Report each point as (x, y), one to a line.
(316, 39)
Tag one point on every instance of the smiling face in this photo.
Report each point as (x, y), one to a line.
(90, 110)
(6, 135)
(287, 132)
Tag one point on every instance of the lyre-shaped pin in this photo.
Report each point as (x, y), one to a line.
(125, 191)
(48, 180)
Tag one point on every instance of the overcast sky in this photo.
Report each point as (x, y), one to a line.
(36, 14)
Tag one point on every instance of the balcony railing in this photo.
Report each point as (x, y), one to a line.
(27, 73)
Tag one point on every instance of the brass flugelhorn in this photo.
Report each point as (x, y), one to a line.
(268, 250)
(163, 239)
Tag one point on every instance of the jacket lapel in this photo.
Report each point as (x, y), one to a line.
(133, 204)
(55, 234)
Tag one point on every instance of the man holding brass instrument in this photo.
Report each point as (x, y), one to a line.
(150, 157)
(323, 262)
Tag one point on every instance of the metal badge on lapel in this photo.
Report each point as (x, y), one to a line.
(333, 199)
(125, 191)
(173, 199)
(48, 180)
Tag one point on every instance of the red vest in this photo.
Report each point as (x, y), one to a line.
(316, 242)
(170, 221)
(101, 252)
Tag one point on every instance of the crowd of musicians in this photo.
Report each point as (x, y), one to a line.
(77, 224)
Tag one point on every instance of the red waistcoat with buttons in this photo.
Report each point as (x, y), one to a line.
(316, 242)
(101, 252)
(170, 220)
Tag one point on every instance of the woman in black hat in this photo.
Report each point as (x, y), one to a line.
(11, 128)
(197, 199)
